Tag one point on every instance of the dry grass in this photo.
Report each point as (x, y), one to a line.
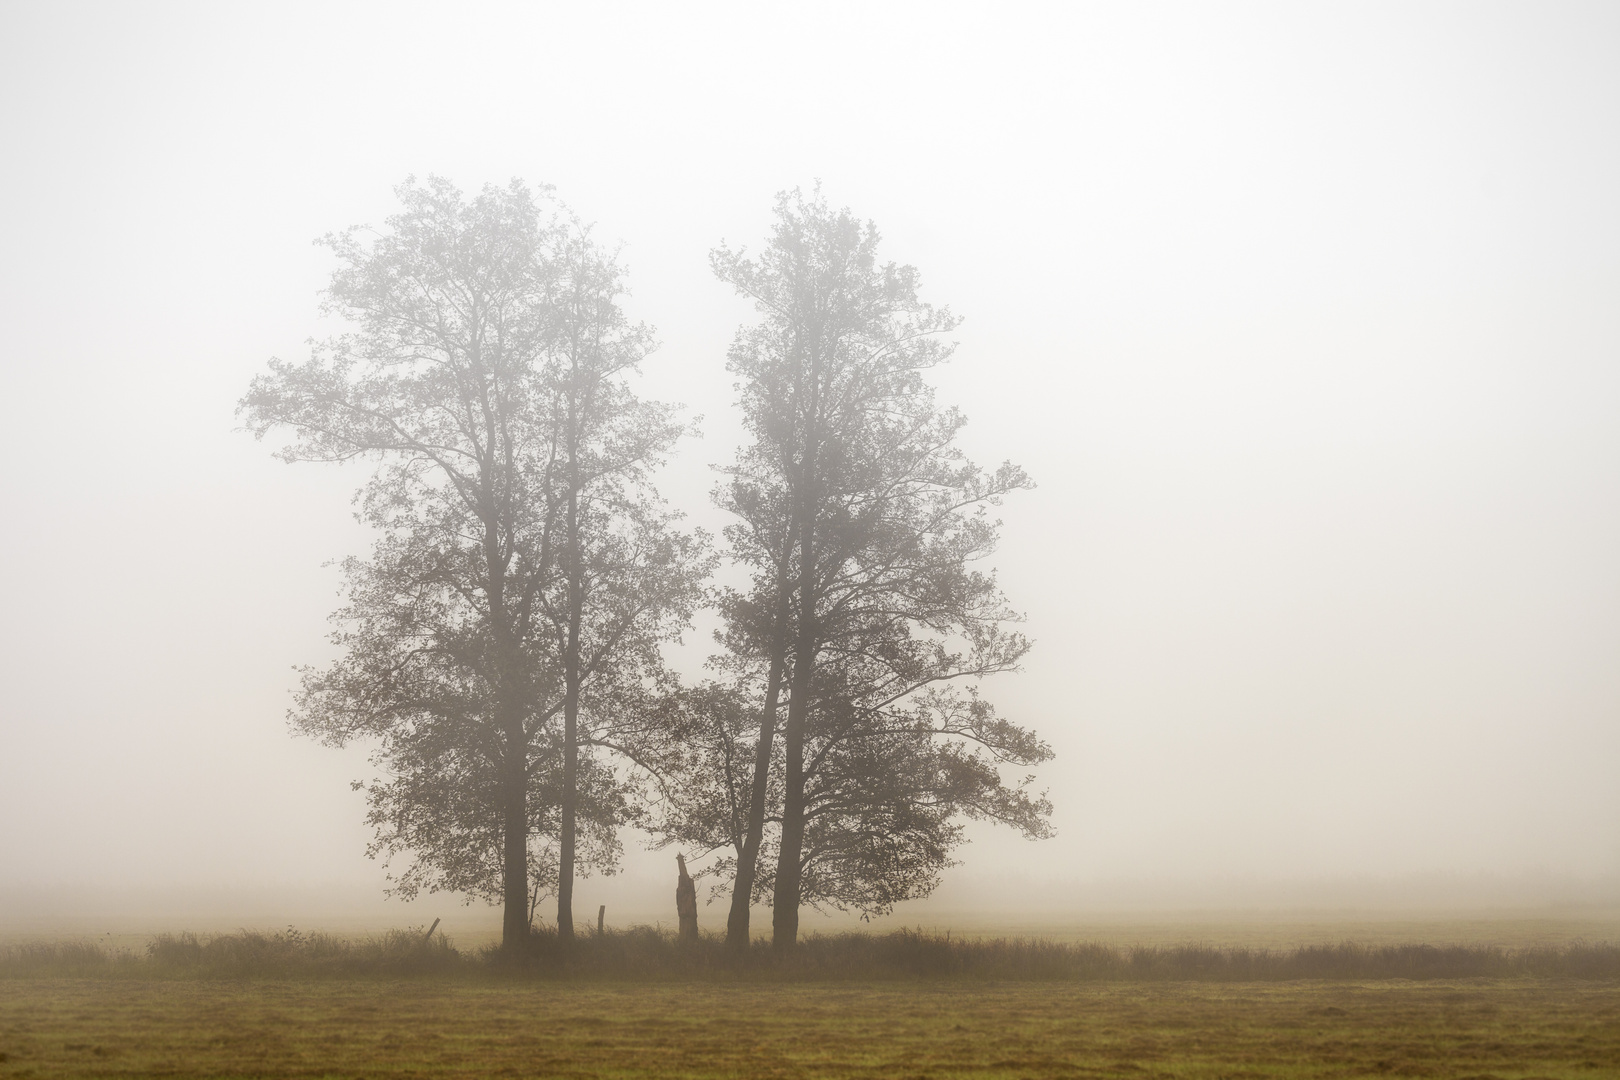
(184, 1028)
(636, 1003)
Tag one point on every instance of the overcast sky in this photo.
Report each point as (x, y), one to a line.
(1305, 319)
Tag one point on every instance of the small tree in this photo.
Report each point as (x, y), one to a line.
(861, 523)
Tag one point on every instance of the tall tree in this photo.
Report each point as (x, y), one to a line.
(451, 664)
(627, 579)
(861, 522)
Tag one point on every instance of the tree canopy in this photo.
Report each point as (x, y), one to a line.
(501, 646)
(862, 526)
(524, 570)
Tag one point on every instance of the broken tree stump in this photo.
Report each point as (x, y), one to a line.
(686, 902)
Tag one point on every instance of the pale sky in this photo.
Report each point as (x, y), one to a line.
(1305, 319)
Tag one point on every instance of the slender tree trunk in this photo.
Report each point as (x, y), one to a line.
(785, 902)
(515, 781)
(742, 887)
(570, 794)
(515, 885)
(571, 677)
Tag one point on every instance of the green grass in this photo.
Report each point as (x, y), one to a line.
(430, 1027)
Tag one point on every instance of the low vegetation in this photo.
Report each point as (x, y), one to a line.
(648, 953)
(641, 1003)
(1507, 1029)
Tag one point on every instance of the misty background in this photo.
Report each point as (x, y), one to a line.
(1306, 321)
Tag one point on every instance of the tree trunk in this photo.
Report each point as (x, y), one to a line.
(742, 887)
(570, 800)
(515, 912)
(686, 904)
(515, 885)
(514, 888)
(571, 677)
(785, 902)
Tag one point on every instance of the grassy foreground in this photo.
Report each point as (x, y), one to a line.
(636, 1003)
(128, 1027)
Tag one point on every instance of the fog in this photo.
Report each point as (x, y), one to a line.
(1304, 320)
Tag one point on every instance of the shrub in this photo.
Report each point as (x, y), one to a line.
(650, 953)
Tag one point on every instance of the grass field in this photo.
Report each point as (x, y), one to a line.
(906, 1004)
(432, 1028)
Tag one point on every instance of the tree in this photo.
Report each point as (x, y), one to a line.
(627, 580)
(473, 320)
(861, 523)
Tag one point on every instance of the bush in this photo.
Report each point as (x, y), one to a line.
(289, 953)
(649, 953)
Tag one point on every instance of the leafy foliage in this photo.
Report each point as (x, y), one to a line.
(524, 571)
(862, 527)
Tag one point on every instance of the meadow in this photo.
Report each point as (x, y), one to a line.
(912, 1005)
